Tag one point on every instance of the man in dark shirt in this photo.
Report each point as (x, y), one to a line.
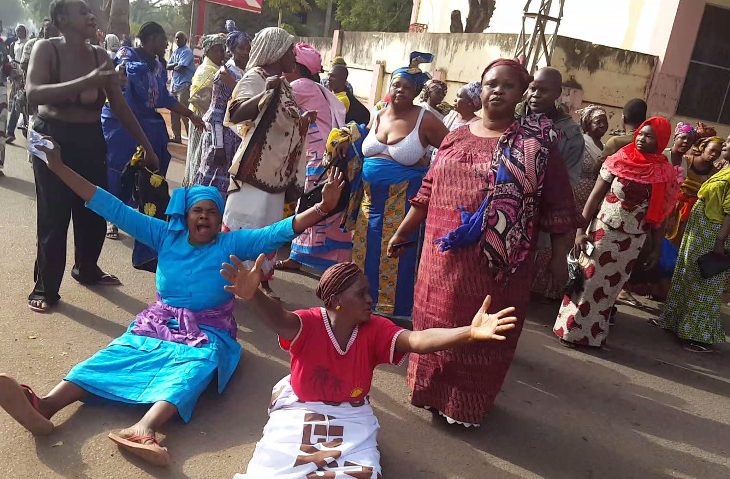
(634, 115)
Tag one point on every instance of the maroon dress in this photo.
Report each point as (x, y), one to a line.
(463, 382)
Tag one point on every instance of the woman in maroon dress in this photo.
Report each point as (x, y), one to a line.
(509, 173)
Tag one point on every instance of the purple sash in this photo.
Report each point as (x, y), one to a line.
(153, 322)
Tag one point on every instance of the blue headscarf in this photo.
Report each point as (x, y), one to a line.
(183, 199)
(412, 72)
(235, 36)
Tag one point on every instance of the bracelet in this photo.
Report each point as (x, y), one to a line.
(319, 211)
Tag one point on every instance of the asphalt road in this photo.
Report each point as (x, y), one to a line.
(642, 408)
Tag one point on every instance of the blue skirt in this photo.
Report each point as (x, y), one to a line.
(388, 187)
(142, 370)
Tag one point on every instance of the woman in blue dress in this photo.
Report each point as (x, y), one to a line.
(175, 347)
(145, 91)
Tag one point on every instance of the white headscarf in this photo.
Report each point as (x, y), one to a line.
(112, 43)
(268, 46)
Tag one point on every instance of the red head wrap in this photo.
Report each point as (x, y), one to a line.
(335, 280)
(649, 168)
(522, 73)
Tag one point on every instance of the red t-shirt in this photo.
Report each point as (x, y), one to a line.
(321, 371)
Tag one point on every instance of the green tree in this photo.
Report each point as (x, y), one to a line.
(289, 6)
(371, 15)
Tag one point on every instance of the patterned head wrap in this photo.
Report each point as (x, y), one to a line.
(209, 41)
(183, 199)
(335, 280)
(235, 36)
(473, 92)
(413, 72)
(704, 131)
(112, 43)
(434, 86)
(268, 46)
(308, 56)
(523, 75)
(706, 141)
(683, 128)
(587, 115)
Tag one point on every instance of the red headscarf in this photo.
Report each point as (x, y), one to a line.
(522, 73)
(649, 168)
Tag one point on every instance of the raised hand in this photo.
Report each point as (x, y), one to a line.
(485, 326)
(273, 82)
(244, 282)
(333, 189)
(53, 155)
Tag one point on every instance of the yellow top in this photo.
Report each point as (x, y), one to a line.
(715, 192)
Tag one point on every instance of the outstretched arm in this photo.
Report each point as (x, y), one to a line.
(484, 327)
(146, 229)
(245, 285)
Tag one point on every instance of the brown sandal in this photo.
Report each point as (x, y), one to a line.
(146, 448)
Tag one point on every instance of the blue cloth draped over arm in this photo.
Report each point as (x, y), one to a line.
(146, 229)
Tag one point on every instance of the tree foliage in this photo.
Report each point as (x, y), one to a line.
(371, 15)
(290, 6)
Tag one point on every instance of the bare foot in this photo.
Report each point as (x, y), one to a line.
(142, 442)
(288, 265)
(23, 405)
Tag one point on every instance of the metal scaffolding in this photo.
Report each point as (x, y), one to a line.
(538, 45)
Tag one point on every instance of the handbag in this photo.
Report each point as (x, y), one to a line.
(576, 276)
(314, 195)
(711, 264)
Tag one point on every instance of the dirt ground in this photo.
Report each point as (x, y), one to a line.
(642, 408)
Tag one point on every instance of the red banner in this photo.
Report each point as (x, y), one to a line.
(247, 5)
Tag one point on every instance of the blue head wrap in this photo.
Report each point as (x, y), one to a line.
(235, 36)
(412, 72)
(183, 199)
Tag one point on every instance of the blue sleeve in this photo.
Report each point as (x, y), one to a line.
(248, 244)
(166, 99)
(146, 229)
(186, 58)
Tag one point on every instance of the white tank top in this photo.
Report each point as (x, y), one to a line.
(407, 151)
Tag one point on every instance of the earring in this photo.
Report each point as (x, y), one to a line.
(338, 307)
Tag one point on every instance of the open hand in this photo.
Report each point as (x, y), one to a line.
(485, 326)
(333, 189)
(244, 282)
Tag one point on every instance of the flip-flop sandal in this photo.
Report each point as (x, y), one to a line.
(105, 279)
(23, 405)
(567, 344)
(152, 453)
(38, 305)
(112, 233)
(696, 348)
(282, 266)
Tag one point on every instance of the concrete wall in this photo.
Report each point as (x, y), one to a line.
(609, 76)
(323, 46)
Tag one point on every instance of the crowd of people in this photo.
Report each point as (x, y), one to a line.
(431, 225)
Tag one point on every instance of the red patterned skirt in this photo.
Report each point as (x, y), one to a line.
(463, 382)
(583, 318)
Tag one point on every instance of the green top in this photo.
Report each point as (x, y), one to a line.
(715, 192)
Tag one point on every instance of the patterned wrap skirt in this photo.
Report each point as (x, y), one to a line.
(692, 310)
(583, 317)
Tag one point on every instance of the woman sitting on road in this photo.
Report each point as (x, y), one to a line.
(176, 346)
(320, 420)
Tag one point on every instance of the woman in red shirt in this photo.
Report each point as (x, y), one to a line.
(320, 419)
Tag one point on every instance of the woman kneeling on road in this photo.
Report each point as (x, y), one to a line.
(176, 346)
(320, 419)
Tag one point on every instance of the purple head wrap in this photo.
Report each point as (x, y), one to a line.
(235, 36)
(684, 128)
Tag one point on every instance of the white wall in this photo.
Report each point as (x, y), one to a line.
(639, 25)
